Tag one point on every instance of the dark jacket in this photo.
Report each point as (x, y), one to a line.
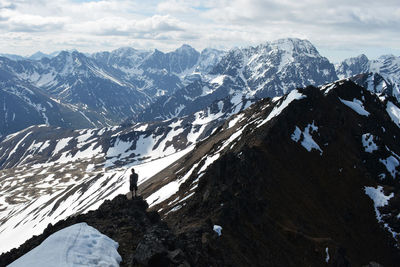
(133, 178)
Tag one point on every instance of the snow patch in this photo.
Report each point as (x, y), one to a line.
(380, 200)
(217, 229)
(308, 142)
(76, 245)
(327, 88)
(120, 147)
(61, 144)
(163, 193)
(141, 128)
(355, 105)
(218, 80)
(293, 95)
(233, 121)
(394, 113)
(368, 143)
(209, 160)
(327, 255)
(391, 163)
(169, 189)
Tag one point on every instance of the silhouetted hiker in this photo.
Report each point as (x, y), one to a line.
(133, 178)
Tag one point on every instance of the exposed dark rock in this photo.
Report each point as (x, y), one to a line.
(281, 205)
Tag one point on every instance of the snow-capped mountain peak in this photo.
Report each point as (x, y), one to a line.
(387, 66)
(294, 46)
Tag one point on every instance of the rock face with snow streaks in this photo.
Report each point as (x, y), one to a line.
(320, 174)
(267, 70)
(386, 66)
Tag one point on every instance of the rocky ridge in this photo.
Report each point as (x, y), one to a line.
(303, 186)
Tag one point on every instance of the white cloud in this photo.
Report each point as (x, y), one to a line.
(166, 24)
(122, 26)
(32, 23)
(175, 6)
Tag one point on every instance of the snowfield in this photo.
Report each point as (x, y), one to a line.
(21, 219)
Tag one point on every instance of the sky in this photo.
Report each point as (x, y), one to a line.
(339, 28)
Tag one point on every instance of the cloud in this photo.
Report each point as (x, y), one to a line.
(176, 7)
(166, 24)
(31, 23)
(351, 23)
(308, 12)
(125, 27)
(14, 21)
(7, 5)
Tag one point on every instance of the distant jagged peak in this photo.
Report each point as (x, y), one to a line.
(295, 45)
(388, 57)
(375, 83)
(185, 51)
(356, 60)
(128, 51)
(157, 52)
(125, 50)
(69, 54)
(291, 46)
(38, 55)
(185, 48)
(208, 50)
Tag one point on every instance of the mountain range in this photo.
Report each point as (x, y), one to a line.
(129, 85)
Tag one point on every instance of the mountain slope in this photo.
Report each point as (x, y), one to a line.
(24, 105)
(72, 77)
(309, 179)
(375, 83)
(198, 95)
(48, 174)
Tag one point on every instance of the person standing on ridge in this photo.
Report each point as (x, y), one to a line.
(133, 178)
